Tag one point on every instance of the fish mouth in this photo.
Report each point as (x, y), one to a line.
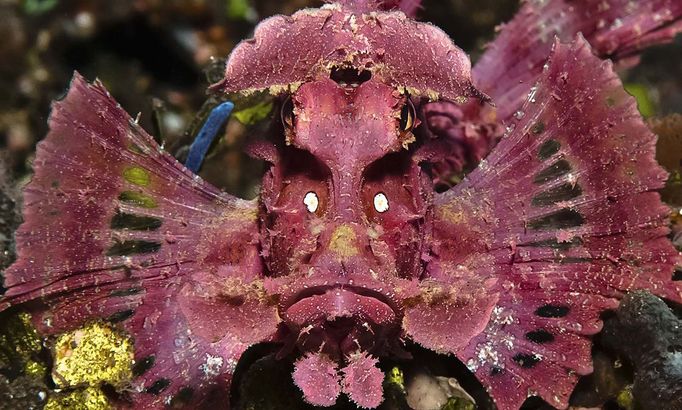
(325, 303)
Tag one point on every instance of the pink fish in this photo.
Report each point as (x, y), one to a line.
(349, 252)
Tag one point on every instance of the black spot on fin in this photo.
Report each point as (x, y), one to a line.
(158, 386)
(562, 192)
(183, 398)
(121, 316)
(494, 371)
(125, 292)
(143, 365)
(564, 218)
(552, 311)
(540, 336)
(548, 148)
(554, 171)
(555, 244)
(126, 248)
(526, 361)
(135, 222)
(677, 275)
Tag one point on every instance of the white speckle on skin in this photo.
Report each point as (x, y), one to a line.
(212, 366)
(500, 317)
(532, 94)
(488, 354)
(472, 365)
(231, 365)
(508, 341)
(354, 23)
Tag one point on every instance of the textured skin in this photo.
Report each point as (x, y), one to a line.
(314, 371)
(561, 220)
(513, 62)
(343, 273)
(331, 36)
(616, 29)
(190, 299)
(349, 251)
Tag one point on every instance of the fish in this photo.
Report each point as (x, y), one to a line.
(349, 254)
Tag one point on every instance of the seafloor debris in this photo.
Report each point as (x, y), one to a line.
(9, 219)
(23, 367)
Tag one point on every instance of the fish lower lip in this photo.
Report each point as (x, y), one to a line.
(329, 303)
(287, 302)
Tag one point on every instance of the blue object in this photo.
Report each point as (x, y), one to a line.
(197, 151)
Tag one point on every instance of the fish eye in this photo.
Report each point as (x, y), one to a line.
(407, 117)
(380, 202)
(287, 113)
(311, 202)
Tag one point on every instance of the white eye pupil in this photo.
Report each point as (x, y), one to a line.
(380, 202)
(311, 202)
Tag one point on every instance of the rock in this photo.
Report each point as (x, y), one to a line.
(22, 374)
(649, 334)
(23, 392)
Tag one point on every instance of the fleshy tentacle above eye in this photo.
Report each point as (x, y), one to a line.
(550, 230)
(116, 229)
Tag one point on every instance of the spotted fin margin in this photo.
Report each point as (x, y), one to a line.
(554, 226)
(117, 230)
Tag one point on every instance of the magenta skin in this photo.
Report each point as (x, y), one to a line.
(349, 252)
